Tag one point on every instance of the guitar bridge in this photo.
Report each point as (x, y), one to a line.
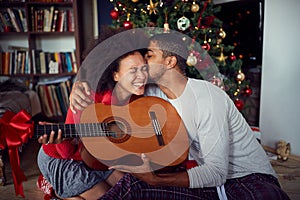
(157, 128)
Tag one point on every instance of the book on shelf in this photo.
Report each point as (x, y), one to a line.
(23, 19)
(68, 61)
(44, 101)
(27, 63)
(12, 62)
(39, 20)
(13, 19)
(64, 62)
(36, 61)
(33, 61)
(58, 60)
(64, 97)
(6, 20)
(17, 18)
(51, 15)
(50, 100)
(20, 48)
(66, 91)
(42, 62)
(70, 20)
(23, 61)
(46, 20)
(3, 24)
(47, 61)
(56, 102)
(52, 19)
(61, 100)
(15, 61)
(74, 63)
(33, 17)
(54, 95)
(18, 64)
(60, 20)
(54, 22)
(5, 62)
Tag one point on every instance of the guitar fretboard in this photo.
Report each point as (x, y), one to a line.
(76, 130)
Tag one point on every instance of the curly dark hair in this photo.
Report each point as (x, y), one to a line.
(123, 43)
(107, 81)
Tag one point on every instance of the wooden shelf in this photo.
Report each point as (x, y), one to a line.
(36, 39)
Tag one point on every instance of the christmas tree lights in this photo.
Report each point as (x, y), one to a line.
(196, 19)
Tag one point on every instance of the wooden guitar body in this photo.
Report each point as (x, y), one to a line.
(147, 125)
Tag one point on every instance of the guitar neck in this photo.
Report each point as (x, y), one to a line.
(75, 130)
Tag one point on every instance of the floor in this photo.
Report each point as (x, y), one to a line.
(29, 165)
(288, 174)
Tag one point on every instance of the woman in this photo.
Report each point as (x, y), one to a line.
(61, 164)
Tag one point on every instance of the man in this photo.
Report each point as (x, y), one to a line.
(231, 164)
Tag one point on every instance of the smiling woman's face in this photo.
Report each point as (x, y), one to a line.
(131, 77)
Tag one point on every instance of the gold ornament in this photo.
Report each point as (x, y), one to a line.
(194, 7)
(240, 76)
(166, 27)
(166, 24)
(152, 7)
(135, 1)
(222, 58)
(222, 33)
(191, 60)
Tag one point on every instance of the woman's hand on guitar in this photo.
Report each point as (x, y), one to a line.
(80, 96)
(143, 172)
(52, 138)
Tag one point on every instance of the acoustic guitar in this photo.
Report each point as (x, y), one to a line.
(119, 134)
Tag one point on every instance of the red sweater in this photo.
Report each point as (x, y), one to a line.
(68, 149)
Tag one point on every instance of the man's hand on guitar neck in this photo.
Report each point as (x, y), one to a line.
(52, 139)
(80, 96)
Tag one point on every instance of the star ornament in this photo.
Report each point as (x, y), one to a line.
(222, 58)
(152, 7)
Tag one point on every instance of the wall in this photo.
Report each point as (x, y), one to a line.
(280, 89)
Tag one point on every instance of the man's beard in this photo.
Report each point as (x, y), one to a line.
(155, 77)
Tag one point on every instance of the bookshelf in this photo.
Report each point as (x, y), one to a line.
(41, 42)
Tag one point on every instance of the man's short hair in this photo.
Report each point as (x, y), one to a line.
(172, 44)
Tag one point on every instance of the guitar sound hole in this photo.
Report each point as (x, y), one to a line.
(119, 130)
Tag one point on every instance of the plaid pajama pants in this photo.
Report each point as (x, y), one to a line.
(252, 187)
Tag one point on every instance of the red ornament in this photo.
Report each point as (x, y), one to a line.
(114, 14)
(239, 104)
(206, 46)
(232, 57)
(247, 91)
(127, 25)
(207, 21)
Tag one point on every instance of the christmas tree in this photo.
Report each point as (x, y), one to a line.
(196, 19)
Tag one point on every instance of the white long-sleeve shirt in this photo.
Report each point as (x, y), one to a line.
(222, 142)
